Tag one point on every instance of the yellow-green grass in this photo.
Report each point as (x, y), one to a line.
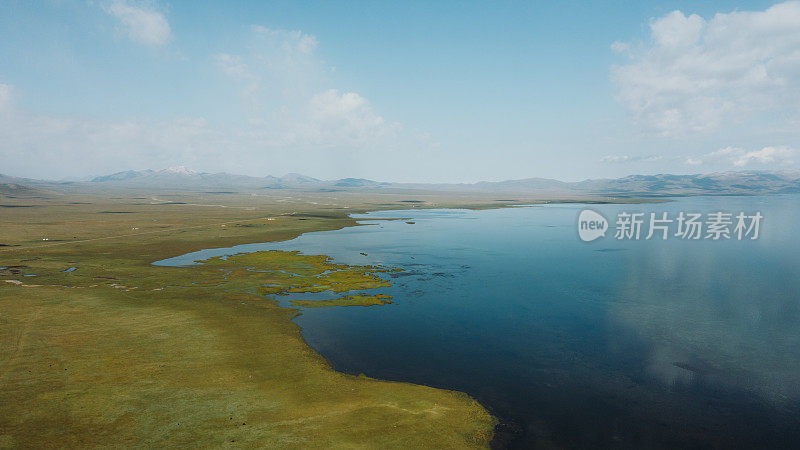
(278, 272)
(122, 353)
(347, 300)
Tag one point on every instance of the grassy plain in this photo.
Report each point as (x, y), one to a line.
(118, 352)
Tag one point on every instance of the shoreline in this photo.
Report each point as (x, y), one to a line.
(115, 285)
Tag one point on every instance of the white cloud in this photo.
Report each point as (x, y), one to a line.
(294, 40)
(346, 117)
(698, 74)
(232, 66)
(767, 155)
(276, 67)
(284, 84)
(675, 31)
(693, 162)
(623, 48)
(629, 158)
(738, 157)
(141, 22)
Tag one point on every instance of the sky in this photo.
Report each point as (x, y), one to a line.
(412, 91)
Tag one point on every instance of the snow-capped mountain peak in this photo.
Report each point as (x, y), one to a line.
(180, 170)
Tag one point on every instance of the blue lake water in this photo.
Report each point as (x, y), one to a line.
(648, 343)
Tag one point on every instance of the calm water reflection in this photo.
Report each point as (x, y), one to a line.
(610, 343)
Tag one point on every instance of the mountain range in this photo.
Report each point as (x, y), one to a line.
(181, 178)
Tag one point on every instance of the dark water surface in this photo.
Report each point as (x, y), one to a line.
(604, 344)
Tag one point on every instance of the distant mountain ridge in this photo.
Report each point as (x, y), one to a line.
(20, 190)
(119, 176)
(182, 178)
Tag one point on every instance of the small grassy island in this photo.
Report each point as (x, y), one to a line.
(347, 300)
(278, 272)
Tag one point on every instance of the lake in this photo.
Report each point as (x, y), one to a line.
(610, 343)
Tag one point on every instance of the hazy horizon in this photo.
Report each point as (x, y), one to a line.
(403, 92)
(183, 170)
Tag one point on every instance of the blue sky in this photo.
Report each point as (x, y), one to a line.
(399, 91)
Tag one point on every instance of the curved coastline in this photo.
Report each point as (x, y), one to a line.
(159, 356)
(252, 256)
(502, 431)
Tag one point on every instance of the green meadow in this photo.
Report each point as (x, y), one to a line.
(118, 352)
